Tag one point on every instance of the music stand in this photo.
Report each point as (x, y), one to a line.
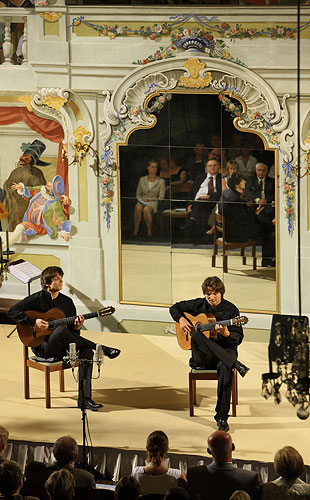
(25, 272)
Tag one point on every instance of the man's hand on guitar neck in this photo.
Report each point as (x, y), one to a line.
(78, 322)
(41, 324)
(185, 325)
(222, 330)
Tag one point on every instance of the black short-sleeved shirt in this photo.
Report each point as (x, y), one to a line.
(225, 310)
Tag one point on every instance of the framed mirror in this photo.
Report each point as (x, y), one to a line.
(172, 219)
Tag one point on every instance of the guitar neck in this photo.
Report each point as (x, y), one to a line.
(211, 326)
(67, 321)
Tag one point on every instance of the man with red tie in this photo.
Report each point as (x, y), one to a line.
(205, 193)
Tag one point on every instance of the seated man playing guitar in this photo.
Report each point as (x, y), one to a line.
(219, 350)
(55, 343)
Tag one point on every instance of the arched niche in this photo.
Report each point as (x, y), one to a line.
(127, 110)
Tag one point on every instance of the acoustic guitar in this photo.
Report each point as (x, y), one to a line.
(205, 323)
(32, 336)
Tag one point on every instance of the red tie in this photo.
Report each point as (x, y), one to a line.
(210, 186)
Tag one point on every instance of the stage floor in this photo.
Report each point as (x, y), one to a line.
(146, 388)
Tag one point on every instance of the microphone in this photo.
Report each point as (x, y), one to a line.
(72, 355)
(98, 356)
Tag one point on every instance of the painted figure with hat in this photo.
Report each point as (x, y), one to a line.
(45, 213)
(27, 173)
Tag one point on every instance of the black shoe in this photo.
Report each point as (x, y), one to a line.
(96, 405)
(110, 352)
(90, 405)
(241, 368)
(222, 425)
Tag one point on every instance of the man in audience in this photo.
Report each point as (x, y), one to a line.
(127, 488)
(11, 481)
(4, 435)
(66, 453)
(206, 192)
(220, 479)
(260, 189)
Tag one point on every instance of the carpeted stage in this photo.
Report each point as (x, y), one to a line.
(146, 388)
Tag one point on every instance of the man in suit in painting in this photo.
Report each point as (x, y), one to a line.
(205, 193)
(220, 479)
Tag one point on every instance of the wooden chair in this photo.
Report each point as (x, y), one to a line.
(210, 375)
(220, 240)
(47, 368)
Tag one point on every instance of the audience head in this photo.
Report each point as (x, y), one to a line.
(60, 485)
(288, 463)
(11, 477)
(215, 154)
(216, 140)
(212, 166)
(177, 493)
(232, 167)
(65, 450)
(240, 495)
(220, 446)
(261, 170)
(152, 167)
(127, 488)
(49, 273)
(157, 446)
(214, 284)
(236, 182)
(164, 163)
(4, 436)
(199, 150)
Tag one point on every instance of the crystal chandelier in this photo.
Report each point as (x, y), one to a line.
(289, 353)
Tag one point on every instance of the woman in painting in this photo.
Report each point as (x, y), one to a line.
(150, 190)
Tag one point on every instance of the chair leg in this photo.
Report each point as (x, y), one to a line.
(254, 257)
(191, 394)
(47, 387)
(225, 264)
(26, 374)
(234, 394)
(62, 381)
(213, 262)
(194, 387)
(242, 253)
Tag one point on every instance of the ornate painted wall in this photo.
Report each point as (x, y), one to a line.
(93, 70)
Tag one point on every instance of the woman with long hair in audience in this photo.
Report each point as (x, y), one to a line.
(289, 464)
(11, 481)
(156, 477)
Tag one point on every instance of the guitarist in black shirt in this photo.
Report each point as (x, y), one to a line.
(219, 352)
(57, 343)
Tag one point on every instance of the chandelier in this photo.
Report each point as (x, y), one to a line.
(289, 354)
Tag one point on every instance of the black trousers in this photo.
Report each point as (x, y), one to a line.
(57, 344)
(208, 353)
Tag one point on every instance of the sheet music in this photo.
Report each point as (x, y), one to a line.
(24, 271)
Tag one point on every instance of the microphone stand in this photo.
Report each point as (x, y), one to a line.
(72, 359)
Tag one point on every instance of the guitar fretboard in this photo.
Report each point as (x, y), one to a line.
(70, 319)
(211, 326)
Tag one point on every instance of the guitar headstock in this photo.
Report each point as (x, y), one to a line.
(106, 311)
(240, 320)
